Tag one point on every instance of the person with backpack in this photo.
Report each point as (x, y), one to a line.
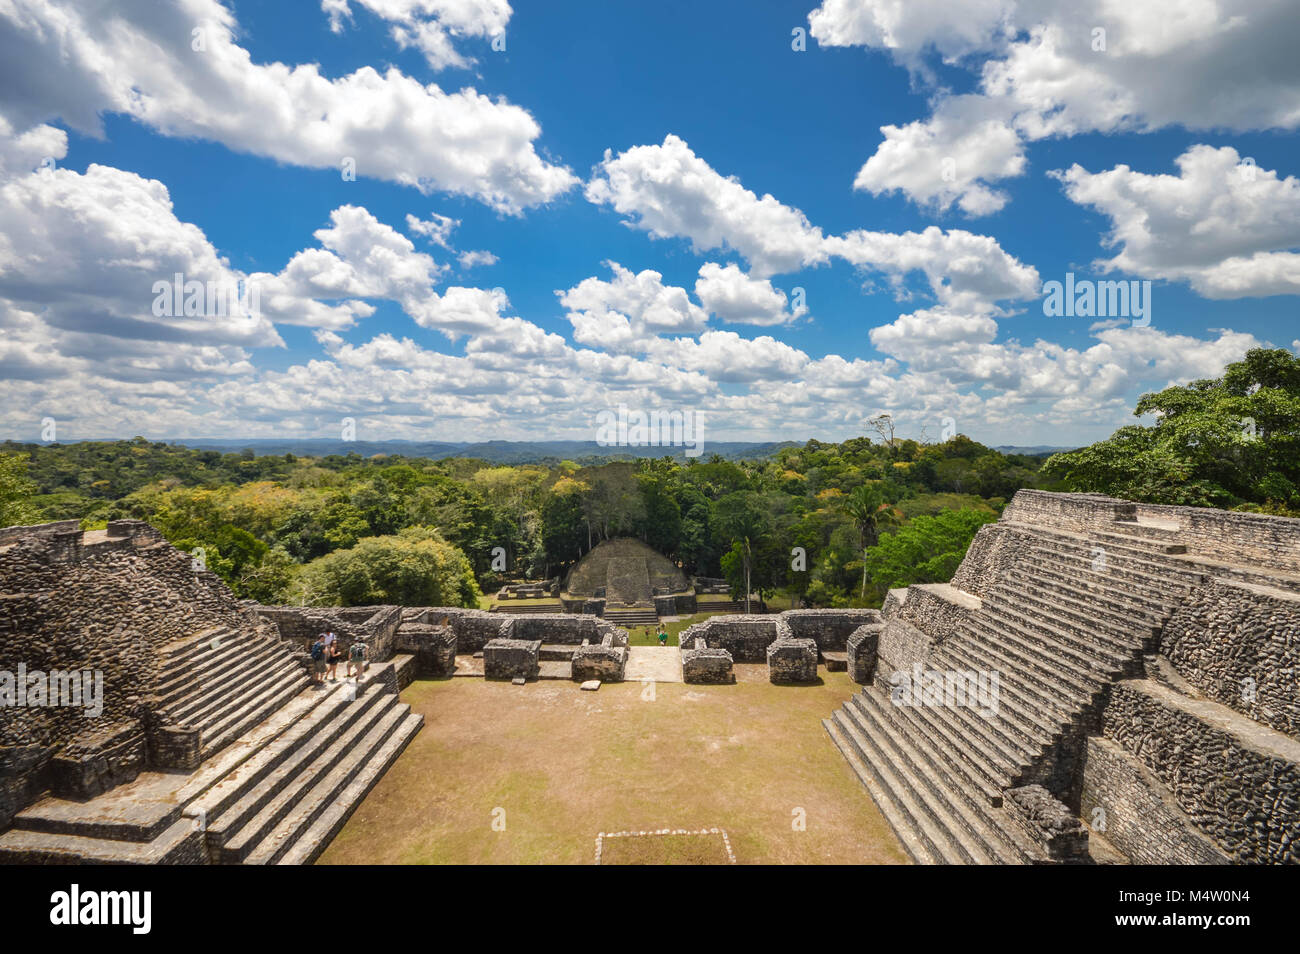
(357, 657)
(318, 663)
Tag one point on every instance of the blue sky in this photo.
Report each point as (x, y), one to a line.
(659, 187)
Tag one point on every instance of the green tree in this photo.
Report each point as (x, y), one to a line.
(415, 567)
(1231, 441)
(16, 491)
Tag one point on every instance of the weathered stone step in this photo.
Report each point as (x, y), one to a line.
(1068, 650)
(249, 689)
(1088, 587)
(1015, 692)
(907, 814)
(1025, 727)
(179, 844)
(987, 779)
(1122, 536)
(1061, 661)
(237, 832)
(986, 756)
(245, 714)
(142, 809)
(312, 803)
(1110, 625)
(911, 840)
(1118, 544)
(945, 794)
(1059, 689)
(1157, 577)
(216, 684)
(923, 789)
(317, 725)
(178, 681)
(175, 653)
(309, 846)
(1094, 659)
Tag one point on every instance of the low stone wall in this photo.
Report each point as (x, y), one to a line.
(1047, 822)
(376, 625)
(829, 628)
(433, 646)
(862, 649)
(746, 638)
(511, 658)
(676, 604)
(563, 630)
(1240, 646)
(1250, 539)
(702, 664)
(792, 660)
(1134, 811)
(901, 646)
(1236, 789)
(604, 661)
(938, 609)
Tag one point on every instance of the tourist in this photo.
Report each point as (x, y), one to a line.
(356, 657)
(318, 661)
(334, 654)
(663, 636)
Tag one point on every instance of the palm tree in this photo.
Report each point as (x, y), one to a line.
(869, 510)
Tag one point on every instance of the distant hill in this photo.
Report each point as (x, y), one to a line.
(1039, 450)
(498, 452)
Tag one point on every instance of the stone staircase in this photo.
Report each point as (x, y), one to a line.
(1074, 614)
(636, 616)
(276, 795)
(223, 683)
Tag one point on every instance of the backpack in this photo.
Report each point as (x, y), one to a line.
(317, 652)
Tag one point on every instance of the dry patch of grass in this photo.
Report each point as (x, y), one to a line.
(704, 847)
(506, 774)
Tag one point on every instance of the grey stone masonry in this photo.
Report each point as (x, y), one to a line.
(1051, 825)
(604, 661)
(511, 658)
(702, 664)
(863, 645)
(433, 646)
(1136, 661)
(792, 661)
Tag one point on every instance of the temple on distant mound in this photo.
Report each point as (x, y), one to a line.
(629, 583)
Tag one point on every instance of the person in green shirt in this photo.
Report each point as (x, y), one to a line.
(663, 637)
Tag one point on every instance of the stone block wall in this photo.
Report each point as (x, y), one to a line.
(938, 609)
(702, 664)
(102, 602)
(1249, 539)
(1238, 786)
(1049, 824)
(746, 638)
(433, 646)
(1138, 815)
(604, 661)
(792, 661)
(901, 646)
(376, 625)
(1240, 646)
(862, 648)
(511, 658)
(828, 628)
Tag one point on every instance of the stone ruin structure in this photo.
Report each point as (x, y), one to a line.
(1101, 681)
(629, 583)
(791, 643)
(210, 746)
